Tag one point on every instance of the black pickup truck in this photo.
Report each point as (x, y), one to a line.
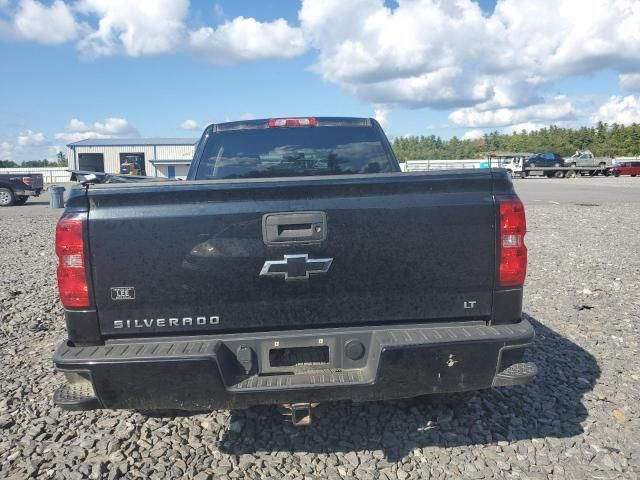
(16, 188)
(296, 265)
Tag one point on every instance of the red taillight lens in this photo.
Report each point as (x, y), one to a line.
(72, 272)
(26, 180)
(292, 122)
(513, 252)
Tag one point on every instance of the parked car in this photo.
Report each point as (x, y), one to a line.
(587, 159)
(16, 188)
(297, 265)
(548, 159)
(625, 168)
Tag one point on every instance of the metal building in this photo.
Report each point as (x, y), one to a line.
(156, 157)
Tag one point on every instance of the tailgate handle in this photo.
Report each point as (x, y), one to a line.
(296, 227)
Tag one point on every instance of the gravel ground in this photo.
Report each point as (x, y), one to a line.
(578, 419)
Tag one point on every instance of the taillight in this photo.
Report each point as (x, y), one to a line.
(72, 271)
(27, 180)
(513, 252)
(293, 122)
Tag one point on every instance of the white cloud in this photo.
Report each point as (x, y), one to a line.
(622, 110)
(451, 54)
(20, 152)
(51, 24)
(557, 109)
(473, 135)
(6, 151)
(189, 125)
(143, 27)
(401, 56)
(244, 39)
(496, 69)
(630, 81)
(112, 127)
(31, 139)
(149, 27)
(381, 113)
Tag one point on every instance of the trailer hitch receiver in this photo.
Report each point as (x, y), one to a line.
(300, 413)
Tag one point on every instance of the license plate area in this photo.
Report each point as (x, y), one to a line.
(297, 355)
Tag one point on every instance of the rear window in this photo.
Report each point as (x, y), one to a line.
(291, 152)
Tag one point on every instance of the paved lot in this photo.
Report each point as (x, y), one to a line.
(579, 419)
(598, 190)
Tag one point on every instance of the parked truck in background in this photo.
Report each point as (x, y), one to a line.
(520, 167)
(15, 189)
(587, 159)
(296, 265)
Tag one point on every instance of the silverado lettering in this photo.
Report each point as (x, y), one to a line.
(166, 322)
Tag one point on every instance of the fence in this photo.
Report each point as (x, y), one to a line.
(424, 165)
(49, 174)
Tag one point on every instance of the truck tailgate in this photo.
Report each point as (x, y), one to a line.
(188, 256)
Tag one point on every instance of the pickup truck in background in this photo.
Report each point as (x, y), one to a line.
(16, 188)
(520, 166)
(296, 265)
(587, 159)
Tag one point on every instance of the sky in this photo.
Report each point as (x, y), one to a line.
(76, 69)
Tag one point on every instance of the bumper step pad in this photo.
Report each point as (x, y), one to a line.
(76, 397)
(255, 382)
(516, 374)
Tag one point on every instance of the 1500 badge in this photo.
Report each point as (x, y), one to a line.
(166, 322)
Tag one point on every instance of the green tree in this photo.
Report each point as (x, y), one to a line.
(602, 139)
(8, 164)
(62, 160)
(39, 163)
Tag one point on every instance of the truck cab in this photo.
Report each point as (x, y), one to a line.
(513, 165)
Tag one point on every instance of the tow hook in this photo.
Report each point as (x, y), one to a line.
(300, 413)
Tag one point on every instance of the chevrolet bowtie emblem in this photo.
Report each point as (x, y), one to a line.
(295, 267)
